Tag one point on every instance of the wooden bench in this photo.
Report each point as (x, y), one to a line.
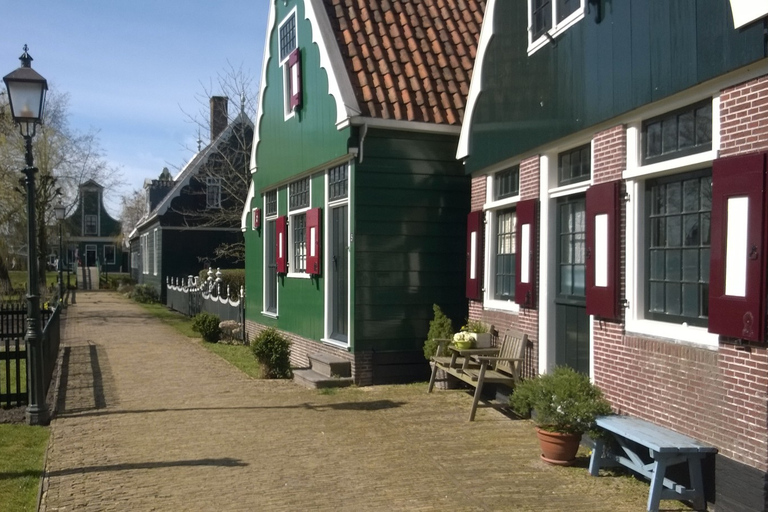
(477, 367)
(666, 448)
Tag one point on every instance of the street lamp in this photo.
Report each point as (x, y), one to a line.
(60, 211)
(26, 95)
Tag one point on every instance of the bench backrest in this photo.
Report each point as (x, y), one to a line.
(513, 347)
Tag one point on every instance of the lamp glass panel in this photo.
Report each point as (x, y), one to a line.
(26, 99)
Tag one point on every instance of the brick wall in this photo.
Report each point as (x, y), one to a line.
(744, 118)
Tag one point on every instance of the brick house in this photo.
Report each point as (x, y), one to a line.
(354, 225)
(618, 162)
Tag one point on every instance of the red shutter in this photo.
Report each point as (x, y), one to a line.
(526, 241)
(281, 240)
(603, 250)
(312, 234)
(737, 259)
(294, 78)
(256, 218)
(475, 253)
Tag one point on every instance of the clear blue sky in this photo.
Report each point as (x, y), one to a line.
(134, 69)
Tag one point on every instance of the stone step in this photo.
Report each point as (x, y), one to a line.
(330, 366)
(311, 379)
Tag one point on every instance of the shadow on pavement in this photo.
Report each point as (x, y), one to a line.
(85, 381)
(222, 462)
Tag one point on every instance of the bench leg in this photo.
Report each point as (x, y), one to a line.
(597, 458)
(697, 483)
(657, 485)
(432, 378)
(478, 390)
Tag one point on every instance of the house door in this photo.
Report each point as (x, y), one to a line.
(572, 321)
(339, 260)
(90, 255)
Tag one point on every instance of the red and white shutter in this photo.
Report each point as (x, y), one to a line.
(312, 233)
(738, 248)
(256, 218)
(603, 250)
(475, 252)
(281, 240)
(525, 262)
(294, 78)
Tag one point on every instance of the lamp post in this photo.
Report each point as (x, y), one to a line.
(60, 211)
(26, 95)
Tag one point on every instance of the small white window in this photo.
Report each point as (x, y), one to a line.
(288, 42)
(547, 19)
(298, 204)
(213, 192)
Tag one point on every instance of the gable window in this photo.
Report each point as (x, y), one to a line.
(677, 247)
(109, 254)
(298, 204)
(506, 183)
(290, 62)
(90, 225)
(574, 165)
(547, 19)
(213, 192)
(679, 133)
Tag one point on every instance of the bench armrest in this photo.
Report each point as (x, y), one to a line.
(470, 352)
(490, 359)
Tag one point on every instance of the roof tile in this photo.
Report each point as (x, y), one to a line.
(408, 60)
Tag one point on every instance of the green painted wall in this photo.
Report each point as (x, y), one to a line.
(621, 56)
(411, 201)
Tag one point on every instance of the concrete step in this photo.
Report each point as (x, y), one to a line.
(311, 379)
(330, 366)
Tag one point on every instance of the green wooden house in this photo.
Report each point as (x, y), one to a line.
(355, 219)
(188, 216)
(92, 235)
(618, 157)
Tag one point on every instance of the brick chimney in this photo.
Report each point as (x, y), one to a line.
(218, 115)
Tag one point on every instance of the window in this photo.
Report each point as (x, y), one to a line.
(506, 183)
(572, 245)
(109, 254)
(506, 226)
(145, 253)
(574, 166)
(338, 182)
(155, 252)
(677, 244)
(679, 133)
(549, 18)
(213, 192)
(287, 36)
(298, 204)
(270, 203)
(290, 62)
(90, 225)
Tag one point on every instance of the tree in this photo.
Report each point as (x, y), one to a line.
(64, 158)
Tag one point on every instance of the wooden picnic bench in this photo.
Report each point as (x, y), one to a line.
(480, 366)
(665, 447)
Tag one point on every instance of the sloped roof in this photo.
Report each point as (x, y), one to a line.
(191, 169)
(409, 61)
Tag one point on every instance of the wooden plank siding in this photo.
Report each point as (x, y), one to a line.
(411, 201)
(621, 56)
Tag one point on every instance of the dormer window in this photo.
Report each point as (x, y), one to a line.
(290, 61)
(547, 19)
(213, 192)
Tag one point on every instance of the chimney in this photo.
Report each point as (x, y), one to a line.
(218, 115)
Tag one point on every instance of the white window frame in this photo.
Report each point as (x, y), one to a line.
(104, 252)
(145, 253)
(492, 208)
(327, 260)
(272, 217)
(95, 219)
(155, 252)
(288, 112)
(636, 176)
(213, 192)
(292, 214)
(557, 28)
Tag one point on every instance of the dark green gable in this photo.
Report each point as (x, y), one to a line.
(621, 56)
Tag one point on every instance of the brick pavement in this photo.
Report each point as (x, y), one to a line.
(150, 420)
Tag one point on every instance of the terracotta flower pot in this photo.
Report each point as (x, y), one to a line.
(558, 448)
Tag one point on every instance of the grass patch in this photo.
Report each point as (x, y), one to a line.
(238, 355)
(22, 450)
(22, 376)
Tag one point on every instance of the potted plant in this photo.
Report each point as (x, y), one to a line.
(477, 331)
(564, 404)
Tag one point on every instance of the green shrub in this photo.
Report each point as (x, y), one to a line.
(273, 351)
(563, 401)
(440, 327)
(144, 294)
(207, 325)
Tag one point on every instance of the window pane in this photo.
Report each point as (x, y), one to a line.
(507, 183)
(691, 196)
(566, 8)
(669, 135)
(691, 230)
(673, 266)
(657, 297)
(691, 300)
(686, 138)
(672, 305)
(579, 280)
(506, 223)
(574, 165)
(287, 37)
(657, 265)
(690, 265)
(679, 133)
(299, 242)
(653, 140)
(704, 273)
(298, 193)
(673, 231)
(704, 124)
(566, 280)
(270, 207)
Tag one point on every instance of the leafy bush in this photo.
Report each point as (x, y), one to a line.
(475, 326)
(563, 400)
(144, 294)
(273, 351)
(440, 327)
(207, 325)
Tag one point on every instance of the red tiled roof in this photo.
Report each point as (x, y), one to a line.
(409, 59)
